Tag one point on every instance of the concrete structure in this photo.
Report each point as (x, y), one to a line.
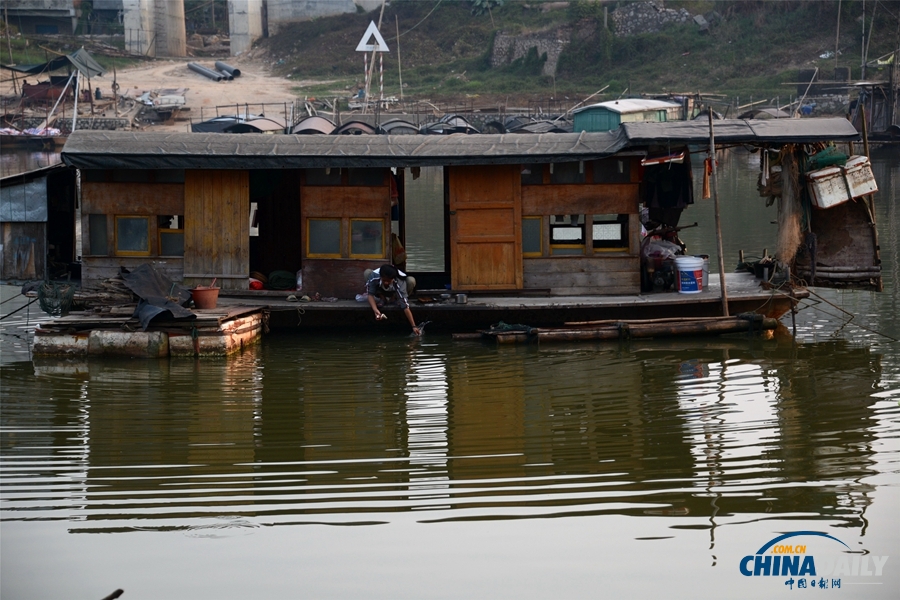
(250, 20)
(154, 27)
(245, 21)
(44, 17)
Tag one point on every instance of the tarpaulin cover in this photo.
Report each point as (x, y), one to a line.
(138, 150)
(135, 150)
(214, 125)
(157, 295)
(80, 59)
(741, 131)
(25, 203)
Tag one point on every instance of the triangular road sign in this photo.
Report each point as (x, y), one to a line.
(366, 43)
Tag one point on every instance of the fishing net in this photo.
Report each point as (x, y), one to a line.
(55, 299)
(502, 327)
(789, 210)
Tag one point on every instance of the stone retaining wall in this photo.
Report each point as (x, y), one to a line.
(103, 123)
(508, 48)
(645, 17)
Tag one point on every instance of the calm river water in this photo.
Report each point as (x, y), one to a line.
(348, 466)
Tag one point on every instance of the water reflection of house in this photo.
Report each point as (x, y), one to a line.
(705, 429)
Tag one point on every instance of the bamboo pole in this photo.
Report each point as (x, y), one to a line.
(870, 200)
(75, 109)
(9, 47)
(115, 89)
(796, 111)
(837, 37)
(731, 325)
(715, 191)
(46, 122)
(399, 69)
(91, 95)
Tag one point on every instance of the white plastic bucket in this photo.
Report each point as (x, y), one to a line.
(689, 279)
(705, 258)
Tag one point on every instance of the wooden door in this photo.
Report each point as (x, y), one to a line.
(485, 227)
(217, 228)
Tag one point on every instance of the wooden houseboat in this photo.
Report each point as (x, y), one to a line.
(538, 228)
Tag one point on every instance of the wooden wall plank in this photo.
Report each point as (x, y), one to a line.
(217, 227)
(486, 266)
(576, 264)
(615, 275)
(345, 201)
(485, 227)
(132, 198)
(490, 223)
(620, 198)
(338, 278)
(95, 269)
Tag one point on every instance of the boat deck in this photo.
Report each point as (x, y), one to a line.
(241, 317)
(745, 294)
(213, 332)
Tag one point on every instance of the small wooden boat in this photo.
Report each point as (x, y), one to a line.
(635, 329)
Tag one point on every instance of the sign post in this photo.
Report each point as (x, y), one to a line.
(372, 42)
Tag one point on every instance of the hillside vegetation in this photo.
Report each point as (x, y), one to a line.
(753, 48)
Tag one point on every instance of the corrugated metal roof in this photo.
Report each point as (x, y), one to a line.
(135, 150)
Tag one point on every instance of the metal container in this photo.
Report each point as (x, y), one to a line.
(461, 298)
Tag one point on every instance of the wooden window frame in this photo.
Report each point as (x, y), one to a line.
(540, 251)
(563, 246)
(91, 250)
(159, 236)
(339, 254)
(117, 251)
(350, 237)
(622, 220)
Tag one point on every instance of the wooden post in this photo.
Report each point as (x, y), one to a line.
(715, 191)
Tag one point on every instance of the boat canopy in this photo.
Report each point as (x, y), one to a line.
(87, 149)
(128, 150)
(80, 59)
(742, 131)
